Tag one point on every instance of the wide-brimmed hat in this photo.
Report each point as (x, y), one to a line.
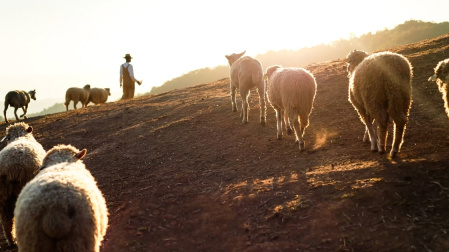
(127, 56)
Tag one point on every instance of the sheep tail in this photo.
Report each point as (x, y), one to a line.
(57, 221)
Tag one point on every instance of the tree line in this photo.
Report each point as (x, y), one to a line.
(409, 32)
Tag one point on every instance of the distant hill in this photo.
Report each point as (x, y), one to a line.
(408, 32)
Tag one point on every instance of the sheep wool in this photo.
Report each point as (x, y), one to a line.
(18, 160)
(76, 95)
(441, 77)
(61, 209)
(380, 89)
(18, 99)
(246, 73)
(291, 93)
(98, 95)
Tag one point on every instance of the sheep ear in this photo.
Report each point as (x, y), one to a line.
(39, 169)
(81, 154)
(227, 56)
(432, 78)
(3, 139)
(30, 129)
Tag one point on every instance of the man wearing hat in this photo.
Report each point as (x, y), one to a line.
(127, 78)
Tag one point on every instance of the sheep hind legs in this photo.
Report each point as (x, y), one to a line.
(7, 223)
(279, 113)
(369, 127)
(244, 114)
(397, 141)
(233, 99)
(4, 113)
(263, 107)
(382, 132)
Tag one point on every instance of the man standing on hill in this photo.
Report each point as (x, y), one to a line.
(127, 78)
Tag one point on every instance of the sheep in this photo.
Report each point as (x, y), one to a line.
(441, 77)
(77, 94)
(18, 160)
(61, 209)
(380, 89)
(18, 99)
(98, 95)
(291, 92)
(246, 73)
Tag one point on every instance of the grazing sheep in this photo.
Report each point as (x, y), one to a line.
(246, 73)
(291, 92)
(77, 94)
(18, 160)
(98, 95)
(441, 77)
(18, 99)
(61, 209)
(380, 89)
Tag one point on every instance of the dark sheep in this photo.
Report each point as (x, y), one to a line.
(18, 99)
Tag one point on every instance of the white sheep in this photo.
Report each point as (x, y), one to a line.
(380, 89)
(98, 95)
(246, 73)
(18, 99)
(291, 92)
(76, 95)
(441, 77)
(61, 209)
(18, 160)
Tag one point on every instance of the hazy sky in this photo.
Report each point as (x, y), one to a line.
(51, 45)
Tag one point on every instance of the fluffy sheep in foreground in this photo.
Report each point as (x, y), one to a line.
(246, 73)
(441, 77)
(380, 89)
(61, 209)
(18, 99)
(98, 95)
(76, 95)
(291, 92)
(18, 160)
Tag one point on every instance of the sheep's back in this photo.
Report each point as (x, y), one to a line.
(20, 158)
(244, 69)
(292, 88)
(98, 95)
(382, 78)
(17, 98)
(62, 203)
(76, 94)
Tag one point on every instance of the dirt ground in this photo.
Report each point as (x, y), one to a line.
(181, 173)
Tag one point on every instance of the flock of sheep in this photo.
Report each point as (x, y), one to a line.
(20, 99)
(380, 89)
(51, 196)
(49, 201)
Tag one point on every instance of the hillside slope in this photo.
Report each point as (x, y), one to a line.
(180, 173)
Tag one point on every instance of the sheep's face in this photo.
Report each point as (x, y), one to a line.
(233, 57)
(33, 94)
(353, 60)
(441, 72)
(108, 90)
(17, 130)
(61, 154)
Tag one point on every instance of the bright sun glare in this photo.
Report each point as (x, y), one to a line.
(54, 45)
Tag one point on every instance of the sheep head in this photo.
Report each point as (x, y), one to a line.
(16, 130)
(233, 57)
(60, 154)
(87, 87)
(441, 72)
(353, 60)
(270, 71)
(108, 90)
(33, 94)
